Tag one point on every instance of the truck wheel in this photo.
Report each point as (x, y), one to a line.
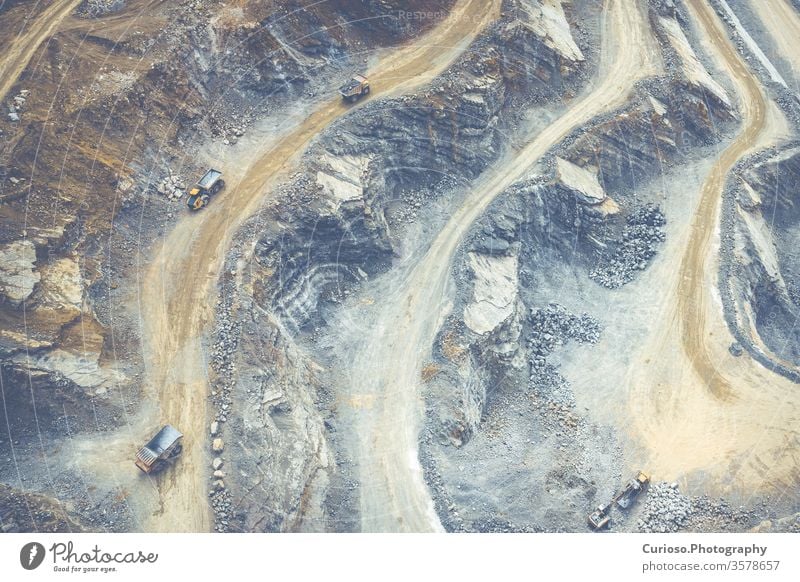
(366, 91)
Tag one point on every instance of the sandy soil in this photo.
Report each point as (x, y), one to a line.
(783, 24)
(697, 410)
(21, 51)
(393, 494)
(177, 290)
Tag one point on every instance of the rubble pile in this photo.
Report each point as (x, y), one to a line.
(222, 362)
(16, 105)
(229, 126)
(550, 327)
(640, 237)
(666, 509)
(98, 8)
(172, 186)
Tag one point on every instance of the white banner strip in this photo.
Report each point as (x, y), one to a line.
(486, 557)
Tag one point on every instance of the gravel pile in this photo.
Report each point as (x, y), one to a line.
(550, 327)
(228, 125)
(643, 232)
(98, 8)
(666, 509)
(223, 354)
(16, 105)
(171, 186)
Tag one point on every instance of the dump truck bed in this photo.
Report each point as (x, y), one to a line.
(164, 439)
(353, 85)
(209, 179)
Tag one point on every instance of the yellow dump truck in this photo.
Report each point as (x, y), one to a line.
(201, 193)
(600, 518)
(632, 490)
(356, 88)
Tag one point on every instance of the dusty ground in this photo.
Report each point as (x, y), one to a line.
(729, 415)
(685, 408)
(27, 42)
(176, 315)
(783, 24)
(385, 377)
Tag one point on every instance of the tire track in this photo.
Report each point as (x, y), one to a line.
(177, 291)
(394, 496)
(691, 290)
(725, 425)
(25, 46)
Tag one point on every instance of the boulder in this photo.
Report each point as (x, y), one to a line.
(494, 292)
(17, 270)
(580, 181)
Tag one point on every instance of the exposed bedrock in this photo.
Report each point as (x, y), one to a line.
(585, 205)
(760, 277)
(591, 209)
(282, 467)
(105, 121)
(332, 227)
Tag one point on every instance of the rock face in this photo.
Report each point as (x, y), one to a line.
(334, 227)
(760, 284)
(693, 69)
(494, 292)
(83, 370)
(581, 182)
(61, 287)
(281, 483)
(546, 20)
(17, 271)
(332, 237)
(342, 178)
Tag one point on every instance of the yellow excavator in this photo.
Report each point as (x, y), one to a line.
(201, 193)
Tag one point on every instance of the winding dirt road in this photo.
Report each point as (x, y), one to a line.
(385, 376)
(21, 51)
(692, 290)
(178, 288)
(725, 422)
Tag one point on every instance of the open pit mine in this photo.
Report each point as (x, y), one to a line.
(400, 266)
